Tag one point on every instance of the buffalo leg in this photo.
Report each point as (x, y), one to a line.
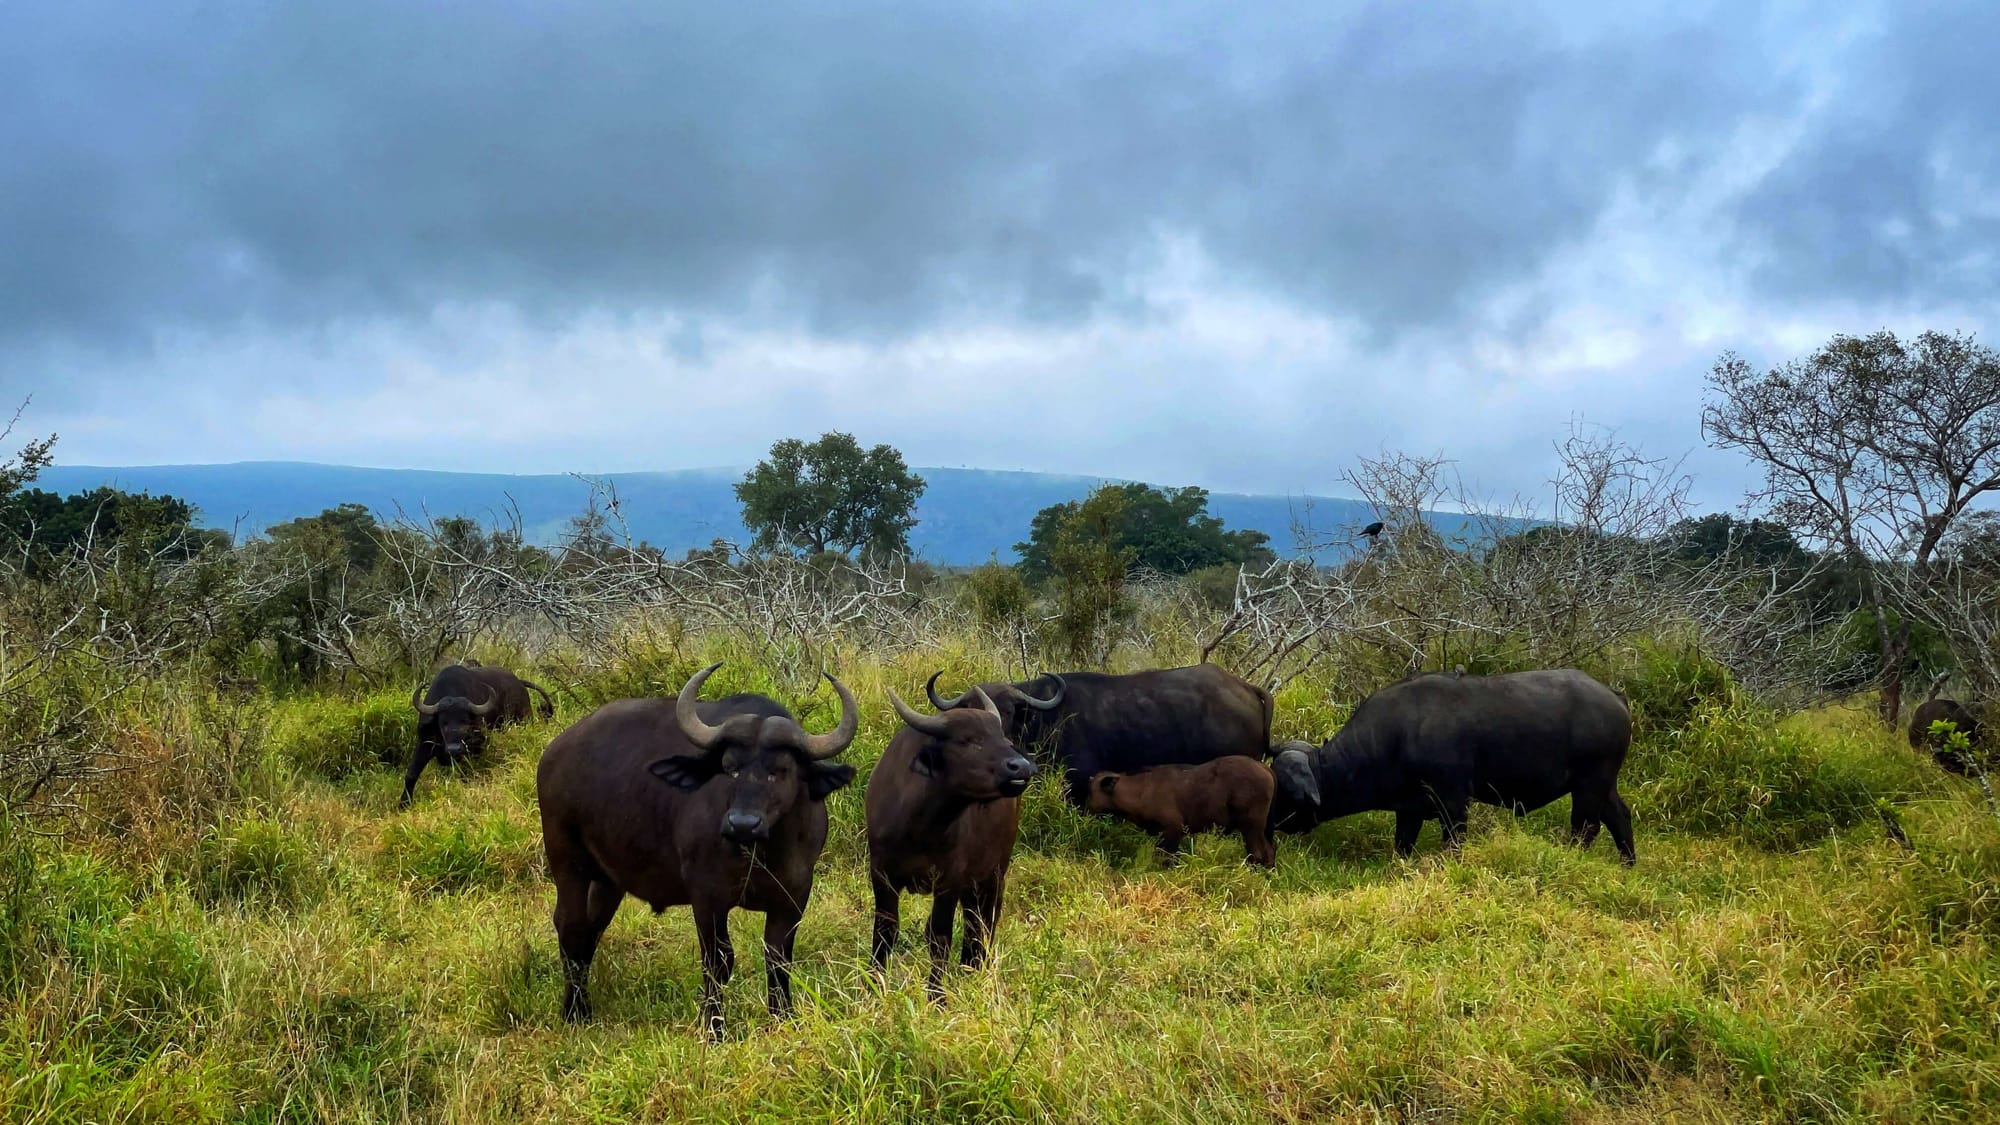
(718, 964)
(943, 905)
(1586, 815)
(971, 947)
(584, 907)
(1618, 818)
(1452, 812)
(780, 928)
(1258, 847)
(418, 761)
(1172, 846)
(1408, 825)
(982, 915)
(888, 916)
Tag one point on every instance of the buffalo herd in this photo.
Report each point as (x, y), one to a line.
(720, 804)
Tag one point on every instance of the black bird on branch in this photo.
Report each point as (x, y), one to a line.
(1373, 530)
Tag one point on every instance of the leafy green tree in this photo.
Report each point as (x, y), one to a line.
(1164, 530)
(1087, 570)
(1758, 543)
(347, 536)
(50, 526)
(831, 495)
(27, 463)
(1834, 589)
(1873, 448)
(329, 586)
(1858, 653)
(997, 593)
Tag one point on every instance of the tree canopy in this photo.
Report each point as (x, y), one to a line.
(1872, 447)
(1759, 543)
(831, 495)
(49, 524)
(348, 536)
(21, 469)
(1164, 530)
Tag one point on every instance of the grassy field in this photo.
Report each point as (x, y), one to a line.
(254, 932)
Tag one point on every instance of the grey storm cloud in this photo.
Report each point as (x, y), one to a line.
(1895, 193)
(870, 169)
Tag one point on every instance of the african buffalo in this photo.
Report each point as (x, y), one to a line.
(463, 703)
(1431, 744)
(1232, 793)
(943, 811)
(714, 805)
(1096, 722)
(1935, 710)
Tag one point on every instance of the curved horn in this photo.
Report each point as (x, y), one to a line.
(481, 710)
(933, 725)
(985, 704)
(930, 689)
(819, 747)
(417, 701)
(1052, 702)
(701, 734)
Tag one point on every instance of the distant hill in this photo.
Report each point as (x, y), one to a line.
(965, 516)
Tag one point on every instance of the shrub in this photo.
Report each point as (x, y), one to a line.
(158, 976)
(1214, 587)
(1087, 574)
(336, 738)
(256, 860)
(1671, 684)
(51, 901)
(997, 594)
(1858, 655)
(1733, 771)
(484, 852)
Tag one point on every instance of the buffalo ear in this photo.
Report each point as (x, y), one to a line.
(927, 762)
(685, 771)
(822, 778)
(1294, 773)
(1108, 782)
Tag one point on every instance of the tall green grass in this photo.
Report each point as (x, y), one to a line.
(303, 951)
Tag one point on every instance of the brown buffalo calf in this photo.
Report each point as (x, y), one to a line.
(1232, 794)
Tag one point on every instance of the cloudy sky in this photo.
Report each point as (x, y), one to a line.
(1168, 241)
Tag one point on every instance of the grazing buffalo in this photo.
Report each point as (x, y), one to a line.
(714, 805)
(1232, 794)
(1095, 722)
(1935, 710)
(1430, 745)
(943, 811)
(464, 702)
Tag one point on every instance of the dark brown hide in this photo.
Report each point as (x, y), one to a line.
(1230, 794)
(633, 804)
(455, 729)
(1951, 711)
(1123, 723)
(943, 810)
